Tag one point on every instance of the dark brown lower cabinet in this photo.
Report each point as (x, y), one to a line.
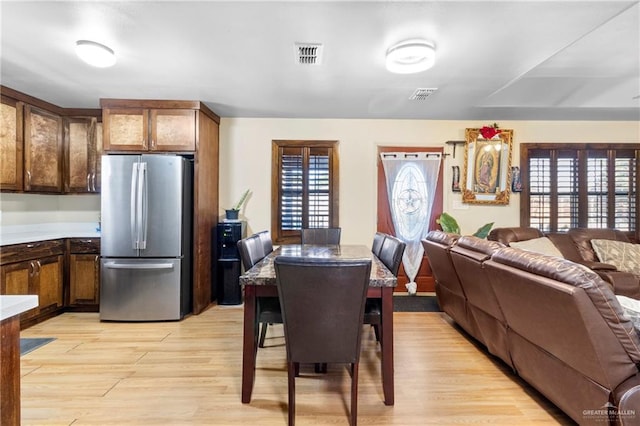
(65, 274)
(84, 273)
(35, 268)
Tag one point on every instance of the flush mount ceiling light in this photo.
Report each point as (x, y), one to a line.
(410, 56)
(95, 54)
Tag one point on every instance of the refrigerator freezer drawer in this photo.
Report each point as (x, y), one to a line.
(141, 290)
(125, 265)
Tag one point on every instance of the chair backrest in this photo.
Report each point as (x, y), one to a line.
(378, 239)
(391, 253)
(321, 236)
(251, 251)
(267, 243)
(512, 234)
(322, 305)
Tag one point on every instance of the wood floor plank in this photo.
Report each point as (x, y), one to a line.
(189, 373)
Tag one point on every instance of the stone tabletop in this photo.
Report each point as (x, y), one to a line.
(263, 273)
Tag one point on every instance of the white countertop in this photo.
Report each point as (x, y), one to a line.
(11, 306)
(18, 234)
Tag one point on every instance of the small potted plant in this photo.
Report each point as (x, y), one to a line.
(449, 224)
(232, 213)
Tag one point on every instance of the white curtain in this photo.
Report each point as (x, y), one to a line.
(412, 179)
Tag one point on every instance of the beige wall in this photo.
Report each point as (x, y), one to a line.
(26, 209)
(245, 162)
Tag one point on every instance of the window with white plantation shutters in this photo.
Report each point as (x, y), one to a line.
(305, 188)
(291, 189)
(580, 185)
(626, 195)
(540, 190)
(597, 185)
(319, 193)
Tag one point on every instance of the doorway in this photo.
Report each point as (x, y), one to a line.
(424, 278)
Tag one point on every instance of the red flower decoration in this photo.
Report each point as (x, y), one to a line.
(489, 132)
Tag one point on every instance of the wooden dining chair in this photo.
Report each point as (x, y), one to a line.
(390, 255)
(322, 310)
(267, 243)
(378, 240)
(321, 236)
(270, 312)
(252, 251)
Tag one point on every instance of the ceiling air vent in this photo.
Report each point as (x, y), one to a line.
(421, 94)
(308, 53)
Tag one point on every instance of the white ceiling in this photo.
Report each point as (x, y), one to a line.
(552, 60)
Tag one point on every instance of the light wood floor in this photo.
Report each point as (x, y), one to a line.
(188, 373)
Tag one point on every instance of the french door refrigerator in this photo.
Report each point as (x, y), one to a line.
(146, 213)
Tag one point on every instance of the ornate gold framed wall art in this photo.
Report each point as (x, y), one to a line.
(487, 166)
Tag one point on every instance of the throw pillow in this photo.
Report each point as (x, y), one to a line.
(622, 255)
(542, 245)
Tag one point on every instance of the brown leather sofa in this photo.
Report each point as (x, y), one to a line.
(451, 297)
(468, 256)
(575, 245)
(568, 336)
(557, 324)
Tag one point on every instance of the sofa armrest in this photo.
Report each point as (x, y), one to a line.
(599, 266)
(627, 397)
(624, 283)
(628, 407)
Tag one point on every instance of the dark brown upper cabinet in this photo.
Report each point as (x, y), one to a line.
(42, 150)
(149, 129)
(11, 144)
(82, 149)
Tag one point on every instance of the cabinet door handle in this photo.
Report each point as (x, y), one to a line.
(89, 182)
(32, 268)
(93, 182)
(28, 179)
(86, 241)
(39, 265)
(153, 143)
(33, 245)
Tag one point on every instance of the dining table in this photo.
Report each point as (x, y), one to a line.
(260, 281)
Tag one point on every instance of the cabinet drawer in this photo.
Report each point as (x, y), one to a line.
(84, 245)
(26, 251)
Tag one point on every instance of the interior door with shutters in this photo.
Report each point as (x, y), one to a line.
(424, 279)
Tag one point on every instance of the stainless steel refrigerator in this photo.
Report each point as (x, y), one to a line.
(146, 213)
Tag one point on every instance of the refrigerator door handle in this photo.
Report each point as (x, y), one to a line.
(144, 205)
(115, 265)
(134, 206)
